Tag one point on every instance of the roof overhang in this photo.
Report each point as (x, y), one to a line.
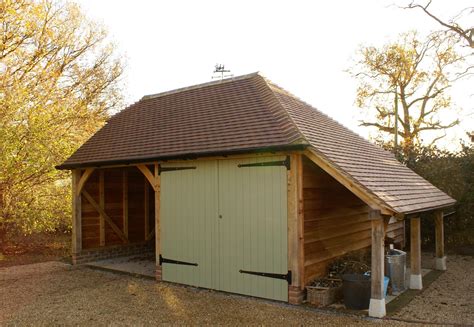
(183, 156)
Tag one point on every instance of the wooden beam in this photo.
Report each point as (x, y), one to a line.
(299, 180)
(125, 202)
(377, 299)
(101, 204)
(153, 179)
(76, 213)
(204, 158)
(157, 215)
(440, 260)
(85, 176)
(352, 186)
(439, 234)
(146, 206)
(295, 221)
(104, 214)
(415, 254)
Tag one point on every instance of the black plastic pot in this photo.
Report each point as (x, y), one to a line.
(356, 290)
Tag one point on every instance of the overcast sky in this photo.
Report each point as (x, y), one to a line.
(303, 46)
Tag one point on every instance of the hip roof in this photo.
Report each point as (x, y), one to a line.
(248, 114)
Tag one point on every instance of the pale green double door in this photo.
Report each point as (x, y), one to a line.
(224, 225)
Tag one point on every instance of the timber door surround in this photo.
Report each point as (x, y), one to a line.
(224, 225)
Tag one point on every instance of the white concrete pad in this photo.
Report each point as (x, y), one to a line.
(377, 308)
(440, 263)
(416, 282)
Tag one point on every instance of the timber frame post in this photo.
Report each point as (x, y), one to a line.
(76, 215)
(295, 229)
(155, 181)
(377, 300)
(440, 260)
(415, 254)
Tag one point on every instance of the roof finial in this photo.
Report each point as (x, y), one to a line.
(221, 69)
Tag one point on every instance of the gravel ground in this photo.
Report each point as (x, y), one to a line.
(54, 293)
(450, 299)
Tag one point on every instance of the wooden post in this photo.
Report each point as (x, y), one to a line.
(295, 229)
(76, 215)
(415, 254)
(377, 299)
(440, 260)
(146, 209)
(125, 202)
(154, 179)
(101, 204)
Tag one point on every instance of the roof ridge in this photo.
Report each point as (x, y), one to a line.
(269, 84)
(201, 85)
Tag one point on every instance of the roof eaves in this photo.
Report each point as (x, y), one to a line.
(184, 156)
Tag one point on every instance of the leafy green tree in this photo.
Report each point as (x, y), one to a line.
(59, 78)
(408, 80)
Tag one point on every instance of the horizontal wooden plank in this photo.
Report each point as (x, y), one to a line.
(339, 221)
(339, 251)
(334, 231)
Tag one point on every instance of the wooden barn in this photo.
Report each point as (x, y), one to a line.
(239, 186)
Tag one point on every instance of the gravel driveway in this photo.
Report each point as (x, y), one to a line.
(54, 293)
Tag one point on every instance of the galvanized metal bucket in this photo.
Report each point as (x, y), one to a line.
(395, 269)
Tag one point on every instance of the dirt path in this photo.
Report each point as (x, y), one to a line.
(54, 293)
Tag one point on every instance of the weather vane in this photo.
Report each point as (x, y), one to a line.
(220, 69)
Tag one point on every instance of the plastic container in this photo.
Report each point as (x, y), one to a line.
(386, 280)
(385, 285)
(395, 269)
(356, 290)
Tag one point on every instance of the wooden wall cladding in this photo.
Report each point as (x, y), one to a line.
(335, 221)
(114, 207)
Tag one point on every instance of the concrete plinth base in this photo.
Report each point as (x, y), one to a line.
(416, 282)
(377, 308)
(440, 263)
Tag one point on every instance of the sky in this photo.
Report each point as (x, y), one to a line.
(305, 47)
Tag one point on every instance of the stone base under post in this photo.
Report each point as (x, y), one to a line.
(295, 295)
(158, 274)
(377, 308)
(416, 282)
(440, 263)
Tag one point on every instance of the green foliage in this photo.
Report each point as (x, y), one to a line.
(454, 174)
(59, 78)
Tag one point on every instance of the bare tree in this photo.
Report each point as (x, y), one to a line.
(466, 34)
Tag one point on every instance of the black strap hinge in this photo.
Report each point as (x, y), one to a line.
(286, 277)
(175, 262)
(285, 163)
(163, 169)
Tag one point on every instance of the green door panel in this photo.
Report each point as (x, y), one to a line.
(253, 227)
(226, 219)
(188, 215)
